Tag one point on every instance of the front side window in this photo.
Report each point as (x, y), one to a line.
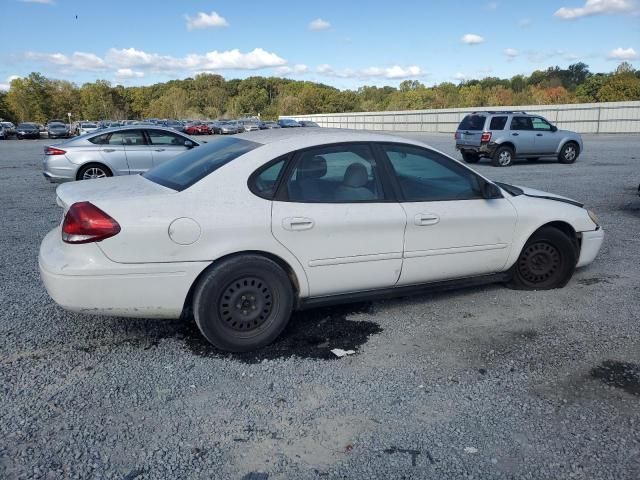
(521, 123)
(426, 176)
(540, 124)
(162, 137)
(338, 174)
(190, 167)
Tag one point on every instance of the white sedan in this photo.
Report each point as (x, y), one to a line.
(246, 229)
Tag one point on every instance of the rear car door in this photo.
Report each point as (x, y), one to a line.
(470, 130)
(165, 145)
(332, 213)
(522, 134)
(452, 231)
(546, 140)
(110, 147)
(138, 151)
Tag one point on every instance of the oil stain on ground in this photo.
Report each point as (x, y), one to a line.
(310, 334)
(623, 375)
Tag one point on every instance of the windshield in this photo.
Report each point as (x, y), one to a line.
(56, 125)
(195, 164)
(27, 125)
(89, 125)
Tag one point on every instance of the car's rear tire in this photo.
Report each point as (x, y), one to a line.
(470, 157)
(93, 170)
(569, 152)
(243, 303)
(546, 261)
(503, 156)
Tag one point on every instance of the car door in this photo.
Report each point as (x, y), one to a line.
(522, 134)
(452, 231)
(332, 213)
(110, 147)
(546, 139)
(138, 151)
(165, 145)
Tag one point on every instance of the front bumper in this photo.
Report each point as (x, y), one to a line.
(82, 279)
(590, 246)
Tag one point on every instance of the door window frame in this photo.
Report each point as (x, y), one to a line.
(147, 138)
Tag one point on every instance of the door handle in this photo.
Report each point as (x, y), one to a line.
(297, 223)
(538, 134)
(108, 150)
(159, 150)
(423, 219)
(515, 134)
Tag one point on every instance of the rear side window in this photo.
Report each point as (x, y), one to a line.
(472, 122)
(498, 123)
(264, 182)
(192, 166)
(521, 123)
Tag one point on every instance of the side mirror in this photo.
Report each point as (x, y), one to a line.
(554, 128)
(189, 144)
(490, 191)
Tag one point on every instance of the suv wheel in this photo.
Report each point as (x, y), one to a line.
(470, 157)
(503, 157)
(243, 304)
(569, 153)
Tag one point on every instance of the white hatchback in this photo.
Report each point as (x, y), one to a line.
(246, 229)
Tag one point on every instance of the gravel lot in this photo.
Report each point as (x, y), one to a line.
(477, 383)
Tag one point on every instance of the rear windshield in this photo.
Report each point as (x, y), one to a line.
(192, 166)
(472, 122)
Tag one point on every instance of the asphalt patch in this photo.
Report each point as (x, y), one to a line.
(309, 334)
(623, 375)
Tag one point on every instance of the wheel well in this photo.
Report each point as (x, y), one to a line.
(568, 230)
(92, 164)
(186, 308)
(508, 144)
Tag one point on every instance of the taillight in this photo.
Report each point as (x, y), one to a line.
(86, 223)
(53, 151)
(486, 137)
(456, 135)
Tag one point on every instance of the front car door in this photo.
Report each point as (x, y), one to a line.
(138, 151)
(452, 231)
(332, 213)
(165, 145)
(546, 140)
(522, 135)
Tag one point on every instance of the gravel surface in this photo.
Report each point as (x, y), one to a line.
(477, 383)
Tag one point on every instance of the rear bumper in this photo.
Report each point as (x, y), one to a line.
(483, 149)
(590, 246)
(81, 278)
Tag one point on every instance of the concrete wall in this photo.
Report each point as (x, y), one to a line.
(610, 117)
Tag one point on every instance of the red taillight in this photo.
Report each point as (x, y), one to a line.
(86, 223)
(456, 135)
(486, 137)
(53, 151)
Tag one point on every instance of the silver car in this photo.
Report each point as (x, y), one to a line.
(505, 136)
(114, 151)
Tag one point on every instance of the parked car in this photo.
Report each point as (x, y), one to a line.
(9, 128)
(250, 125)
(214, 127)
(87, 127)
(57, 130)
(288, 123)
(27, 130)
(308, 123)
(4, 133)
(197, 128)
(245, 229)
(113, 152)
(174, 125)
(505, 136)
(270, 125)
(229, 128)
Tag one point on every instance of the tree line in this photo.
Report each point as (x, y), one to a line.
(38, 98)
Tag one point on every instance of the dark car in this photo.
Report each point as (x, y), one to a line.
(269, 125)
(307, 123)
(27, 130)
(174, 125)
(57, 130)
(288, 123)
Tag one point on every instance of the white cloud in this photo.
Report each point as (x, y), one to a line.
(205, 20)
(622, 54)
(511, 52)
(460, 77)
(595, 7)
(319, 24)
(5, 86)
(42, 2)
(127, 73)
(492, 5)
(395, 72)
(472, 39)
(524, 23)
(75, 61)
(297, 69)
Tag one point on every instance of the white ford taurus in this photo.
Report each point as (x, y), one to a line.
(244, 230)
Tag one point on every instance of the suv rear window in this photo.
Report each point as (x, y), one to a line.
(498, 123)
(472, 122)
(192, 166)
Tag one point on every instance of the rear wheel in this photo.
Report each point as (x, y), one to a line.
(93, 170)
(243, 304)
(547, 261)
(470, 157)
(569, 153)
(503, 157)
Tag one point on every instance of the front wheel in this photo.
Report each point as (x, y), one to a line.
(243, 304)
(503, 156)
(568, 153)
(547, 261)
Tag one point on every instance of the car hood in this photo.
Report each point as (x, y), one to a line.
(531, 192)
(102, 190)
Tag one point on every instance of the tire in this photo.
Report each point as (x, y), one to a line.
(93, 170)
(243, 303)
(546, 261)
(470, 157)
(503, 157)
(569, 152)
(19, 137)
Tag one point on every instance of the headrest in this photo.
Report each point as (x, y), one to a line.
(356, 176)
(312, 167)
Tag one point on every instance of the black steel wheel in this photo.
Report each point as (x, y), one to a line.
(245, 304)
(546, 261)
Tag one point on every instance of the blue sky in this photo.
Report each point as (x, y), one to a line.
(342, 43)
